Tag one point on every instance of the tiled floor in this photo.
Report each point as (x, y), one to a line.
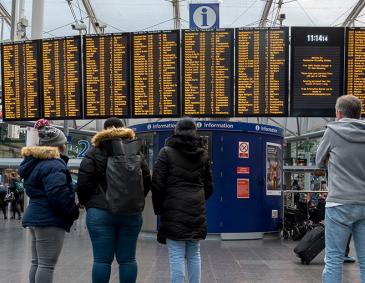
(269, 260)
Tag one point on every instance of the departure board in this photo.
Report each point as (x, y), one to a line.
(156, 74)
(106, 75)
(355, 63)
(61, 78)
(20, 81)
(317, 70)
(262, 71)
(207, 73)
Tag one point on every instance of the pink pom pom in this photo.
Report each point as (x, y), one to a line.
(41, 123)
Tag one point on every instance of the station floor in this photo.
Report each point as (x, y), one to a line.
(270, 260)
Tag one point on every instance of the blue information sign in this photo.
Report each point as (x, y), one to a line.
(204, 16)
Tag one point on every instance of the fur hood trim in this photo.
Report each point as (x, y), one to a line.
(112, 133)
(41, 152)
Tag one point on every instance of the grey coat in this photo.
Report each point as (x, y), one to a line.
(342, 151)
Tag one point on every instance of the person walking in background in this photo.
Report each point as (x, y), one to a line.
(3, 203)
(52, 208)
(348, 258)
(181, 184)
(15, 209)
(113, 190)
(342, 151)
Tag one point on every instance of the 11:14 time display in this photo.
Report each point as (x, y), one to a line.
(317, 38)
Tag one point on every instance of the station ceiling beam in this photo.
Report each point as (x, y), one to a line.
(265, 13)
(5, 14)
(98, 25)
(354, 13)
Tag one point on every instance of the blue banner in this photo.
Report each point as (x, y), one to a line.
(212, 126)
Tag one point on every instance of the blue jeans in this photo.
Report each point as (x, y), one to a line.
(178, 251)
(113, 235)
(340, 222)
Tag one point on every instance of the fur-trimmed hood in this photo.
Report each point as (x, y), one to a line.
(41, 152)
(33, 155)
(112, 133)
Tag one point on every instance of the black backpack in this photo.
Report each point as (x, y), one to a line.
(124, 191)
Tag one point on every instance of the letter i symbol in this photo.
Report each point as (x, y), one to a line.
(204, 17)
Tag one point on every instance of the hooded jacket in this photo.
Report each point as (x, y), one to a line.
(47, 182)
(342, 151)
(181, 184)
(92, 172)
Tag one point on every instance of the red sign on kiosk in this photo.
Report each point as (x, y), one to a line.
(243, 170)
(243, 188)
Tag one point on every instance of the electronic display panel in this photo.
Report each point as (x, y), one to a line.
(20, 66)
(156, 74)
(262, 71)
(61, 78)
(317, 62)
(355, 64)
(106, 76)
(207, 67)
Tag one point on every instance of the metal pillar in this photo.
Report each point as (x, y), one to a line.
(37, 19)
(176, 7)
(14, 19)
(99, 124)
(265, 13)
(354, 14)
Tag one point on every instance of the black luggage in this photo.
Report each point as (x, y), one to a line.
(311, 245)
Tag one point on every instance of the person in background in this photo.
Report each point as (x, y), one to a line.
(348, 258)
(342, 151)
(15, 209)
(110, 234)
(52, 209)
(3, 203)
(181, 184)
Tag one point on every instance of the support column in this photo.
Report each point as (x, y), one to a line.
(14, 19)
(37, 19)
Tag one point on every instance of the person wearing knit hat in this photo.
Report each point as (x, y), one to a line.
(181, 184)
(52, 208)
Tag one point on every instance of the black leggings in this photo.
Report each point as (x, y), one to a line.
(3, 208)
(15, 208)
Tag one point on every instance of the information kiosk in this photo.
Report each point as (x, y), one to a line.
(247, 171)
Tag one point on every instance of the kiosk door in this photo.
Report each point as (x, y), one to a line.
(242, 184)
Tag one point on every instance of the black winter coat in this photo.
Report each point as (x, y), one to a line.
(181, 184)
(93, 168)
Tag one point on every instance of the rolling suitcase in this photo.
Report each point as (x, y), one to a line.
(311, 245)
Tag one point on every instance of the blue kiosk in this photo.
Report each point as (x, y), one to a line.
(247, 171)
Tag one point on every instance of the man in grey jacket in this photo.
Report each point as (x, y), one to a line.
(342, 151)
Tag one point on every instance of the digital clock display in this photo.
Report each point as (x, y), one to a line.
(317, 38)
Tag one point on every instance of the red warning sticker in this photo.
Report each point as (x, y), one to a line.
(243, 150)
(243, 188)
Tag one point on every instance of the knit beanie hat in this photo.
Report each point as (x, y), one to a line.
(185, 127)
(51, 136)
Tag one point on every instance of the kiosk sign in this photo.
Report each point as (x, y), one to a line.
(243, 150)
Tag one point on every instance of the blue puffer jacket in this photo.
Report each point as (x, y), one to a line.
(47, 182)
